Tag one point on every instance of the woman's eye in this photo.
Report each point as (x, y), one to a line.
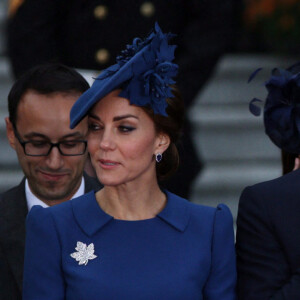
(123, 128)
(94, 127)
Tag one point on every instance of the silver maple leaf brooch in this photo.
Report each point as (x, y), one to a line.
(84, 253)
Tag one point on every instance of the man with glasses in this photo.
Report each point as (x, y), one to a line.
(52, 157)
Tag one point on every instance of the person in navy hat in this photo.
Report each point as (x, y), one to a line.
(268, 222)
(88, 34)
(131, 240)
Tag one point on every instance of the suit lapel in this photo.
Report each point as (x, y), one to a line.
(91, 183)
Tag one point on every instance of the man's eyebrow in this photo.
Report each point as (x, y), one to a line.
(40, 135)
(73, 134)
(34, 135)
(117, 118)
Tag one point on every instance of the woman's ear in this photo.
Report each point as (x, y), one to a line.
(10, 133)
(163, 143)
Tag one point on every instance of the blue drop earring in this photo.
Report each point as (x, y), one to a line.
(158, 157)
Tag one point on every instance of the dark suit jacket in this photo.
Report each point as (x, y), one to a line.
(13, 211)
(268, 240)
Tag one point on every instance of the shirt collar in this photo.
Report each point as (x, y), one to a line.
(92, 218)
(33, 200)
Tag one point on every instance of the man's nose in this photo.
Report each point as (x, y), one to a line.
(55, 159)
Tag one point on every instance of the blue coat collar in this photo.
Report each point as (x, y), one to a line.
(176, 213)
(91, 218)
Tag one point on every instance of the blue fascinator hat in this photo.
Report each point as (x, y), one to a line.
(144, 71)
(282, 108)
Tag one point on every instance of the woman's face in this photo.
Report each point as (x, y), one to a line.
(122, 141)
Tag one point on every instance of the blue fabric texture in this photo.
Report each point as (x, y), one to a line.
(144, 71)
(185, 252)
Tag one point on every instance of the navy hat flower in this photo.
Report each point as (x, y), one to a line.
(282, 108)
(144, 71)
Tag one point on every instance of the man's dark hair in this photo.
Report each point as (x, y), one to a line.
(45, 79)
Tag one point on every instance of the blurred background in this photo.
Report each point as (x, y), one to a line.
(220, 43)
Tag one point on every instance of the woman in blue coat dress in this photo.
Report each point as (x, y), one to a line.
(131, 240)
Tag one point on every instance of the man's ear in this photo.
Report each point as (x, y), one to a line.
(10, 133)
(163, 143)
(297, 163)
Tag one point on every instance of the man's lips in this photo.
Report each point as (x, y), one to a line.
(52, 176)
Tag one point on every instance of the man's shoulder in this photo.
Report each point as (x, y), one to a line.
(12, 200)
(289, 182)
(13, 211)
(276, 194)
(11, 191)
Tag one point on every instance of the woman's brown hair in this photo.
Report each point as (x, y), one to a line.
(172, 126)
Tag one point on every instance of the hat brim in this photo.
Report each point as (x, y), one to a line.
(96, 92)
(102, 87)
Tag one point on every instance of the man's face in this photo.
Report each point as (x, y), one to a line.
(45, 118)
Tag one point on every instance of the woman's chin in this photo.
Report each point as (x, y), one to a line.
(110, 181)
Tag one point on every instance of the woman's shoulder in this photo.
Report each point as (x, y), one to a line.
(61, 212)
(220, 214)
(202, 212)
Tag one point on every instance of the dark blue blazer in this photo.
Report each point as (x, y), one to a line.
(268, 240)
(185, 252)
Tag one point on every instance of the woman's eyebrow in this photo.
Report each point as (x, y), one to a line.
(117, 118)
(94, 116)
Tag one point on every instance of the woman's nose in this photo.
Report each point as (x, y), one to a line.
(107, 141)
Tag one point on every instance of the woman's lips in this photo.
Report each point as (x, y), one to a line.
(108, 164)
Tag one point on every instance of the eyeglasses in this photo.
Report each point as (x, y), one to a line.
(43, 148)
